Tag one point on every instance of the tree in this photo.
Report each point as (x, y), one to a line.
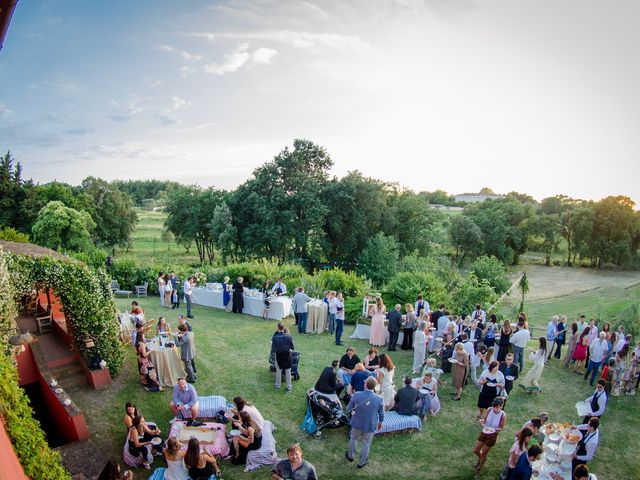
(222, 231)
(613, 229)
(466, 237)
(112, 211)
(63, 228)
(167, 237)
(13, 191)
(493, 271)
(379, 259)
(279, 212)
(546, 226)
(189, 214)
(523, 286)
(39, 195)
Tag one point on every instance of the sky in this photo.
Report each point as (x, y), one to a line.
(536, 96)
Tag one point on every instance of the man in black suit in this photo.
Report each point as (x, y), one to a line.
(395, 320)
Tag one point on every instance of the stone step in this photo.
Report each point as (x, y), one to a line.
(69, 376)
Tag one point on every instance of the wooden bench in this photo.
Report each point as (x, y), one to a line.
(115, 289)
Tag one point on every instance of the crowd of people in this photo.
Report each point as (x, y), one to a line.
(367, 388)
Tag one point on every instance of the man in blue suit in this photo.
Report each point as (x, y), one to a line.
(367, 414)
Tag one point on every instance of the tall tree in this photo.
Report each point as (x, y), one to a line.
(223, 232)
(13, 191)
(63, 228)
(112, 211)
(379, 259)
(466, 237)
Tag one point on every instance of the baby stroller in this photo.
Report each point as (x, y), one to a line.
(295, 360)
(326, 412)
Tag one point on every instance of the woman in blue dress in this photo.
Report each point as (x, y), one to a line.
(226, 294)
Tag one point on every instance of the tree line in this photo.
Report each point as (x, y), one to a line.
(292, 210)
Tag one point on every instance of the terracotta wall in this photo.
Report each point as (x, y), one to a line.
(10, 465)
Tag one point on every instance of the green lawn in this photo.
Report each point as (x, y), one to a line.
(232, 360)
(148, 245)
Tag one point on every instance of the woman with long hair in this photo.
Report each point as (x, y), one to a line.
(137, 445)
(265, 298)
(162, 326)
(130, 413)
(531, 380)
(459, 369)
(168, 288)
(492, 382)
(503, 343)
(250, 438)
(580, 352)
(385, 378)
(490, 331)
(376, 337)
(243, 405)
(200, 464)
(176, 468)
(161, 284)
(518, 448)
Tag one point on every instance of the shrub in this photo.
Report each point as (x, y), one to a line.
(404, 287)
(352, 309)
(470, 291)
(12, 235)
(349, 283)
(492, 270)
(378, 261)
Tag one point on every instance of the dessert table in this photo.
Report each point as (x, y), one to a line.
(253, 303)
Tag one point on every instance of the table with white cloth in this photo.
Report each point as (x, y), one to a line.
(168, 364)
(220, 445)
(127, 326)
(362, 331)
(317, 317)
(253, 304)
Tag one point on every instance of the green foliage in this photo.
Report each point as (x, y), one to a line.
(350, 284)
(129, 273)
(404, 287)
(10, 234)
(111, 210)
(28, 440)
(492, 270)
(466, 237)
(8, 307)
(629, 317)
(379, 259)
(13, 191)
(470, 291)
(223, 232)
(146, 192)
(85, 296)
(352, 309)
(63, 228)
(94, 257)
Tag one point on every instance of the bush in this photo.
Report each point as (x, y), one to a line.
(352, 309)
(404, 287)
(350, 284)
(378, 261)
(492, 270)
(12, 235)
(470, 291)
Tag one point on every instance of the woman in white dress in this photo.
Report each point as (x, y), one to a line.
(176, 469)
(385, 378)
(376, 337)
(419, 346)
(530, 381)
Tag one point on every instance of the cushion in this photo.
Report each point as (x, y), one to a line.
(394, 422)
(266, 454)
(158, 474)
(210, 406)
(135, 461)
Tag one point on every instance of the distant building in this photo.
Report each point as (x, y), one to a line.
(476, 197)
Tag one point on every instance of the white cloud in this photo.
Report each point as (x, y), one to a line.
(264, 55)
(5, 111)
(151, 82)
(302, 40)
(179, 103)
(191, 57)
(233, 62)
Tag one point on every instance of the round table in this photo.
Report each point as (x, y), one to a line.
(168, 365)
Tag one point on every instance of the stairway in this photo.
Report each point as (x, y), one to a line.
(70, 375)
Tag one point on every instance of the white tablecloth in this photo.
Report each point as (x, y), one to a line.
(280, 307)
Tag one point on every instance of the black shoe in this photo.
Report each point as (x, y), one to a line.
(190, 316)
(362, 465)
(339, 343)
(346, 454)
(196, 423)
(191, 380)
(189, 422)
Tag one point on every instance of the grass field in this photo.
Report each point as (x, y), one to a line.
(232, 360)
(149, 246)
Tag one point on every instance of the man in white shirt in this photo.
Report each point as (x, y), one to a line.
(581, 324)
(519, 341)
(597, 402)
(300, 300)
(188, 284)
(332, 310)
(473, 359)
(598, 350)
(479, 316)
(587, 447)
(279, 288)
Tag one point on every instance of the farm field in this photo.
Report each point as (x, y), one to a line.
(232, 360)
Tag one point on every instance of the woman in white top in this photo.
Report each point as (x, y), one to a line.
(243, 406)
(492, 426)
(530, 381)
(161, 284)
(385, 377)
(419, 346)
(176, 469)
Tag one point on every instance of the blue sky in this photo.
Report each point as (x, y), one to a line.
(534, 96)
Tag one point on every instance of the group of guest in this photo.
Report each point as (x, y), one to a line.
(168, 290)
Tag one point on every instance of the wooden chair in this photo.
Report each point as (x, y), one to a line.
(149, 329)
(44, 321)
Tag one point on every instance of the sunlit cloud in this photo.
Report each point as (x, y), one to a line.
(264, 55)
(185, 55)
(232, 62)
(179, 103)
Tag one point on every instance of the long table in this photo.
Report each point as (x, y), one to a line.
(280, 307)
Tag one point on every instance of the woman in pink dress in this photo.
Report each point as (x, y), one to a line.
(580, 353)
(376, 337)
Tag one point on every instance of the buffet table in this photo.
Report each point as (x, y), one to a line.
(555, 461)
(253, 304)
